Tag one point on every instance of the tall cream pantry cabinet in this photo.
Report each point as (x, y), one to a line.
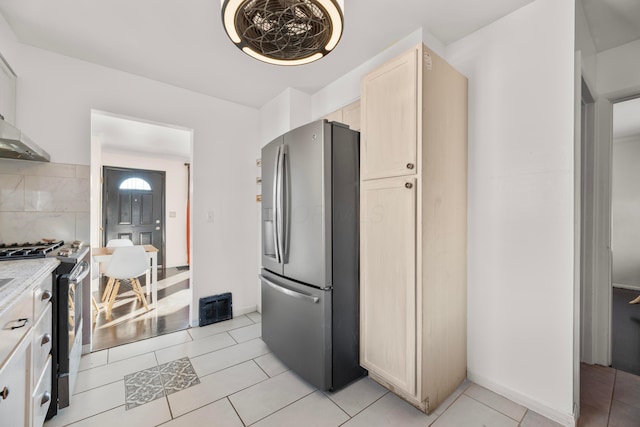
(413, 244)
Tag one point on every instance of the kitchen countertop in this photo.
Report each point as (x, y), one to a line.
(25, 274)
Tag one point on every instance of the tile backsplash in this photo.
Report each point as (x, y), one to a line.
(43, 200)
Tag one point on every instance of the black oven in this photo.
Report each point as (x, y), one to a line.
(72, 279)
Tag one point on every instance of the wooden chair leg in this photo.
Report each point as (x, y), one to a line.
(136, 285)
(107, 289)
(112, 298)
(136, 290)
(95, 304)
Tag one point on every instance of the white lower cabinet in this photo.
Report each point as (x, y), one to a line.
(388, 298)
(41, 345)
(15, 387)
(25, 358)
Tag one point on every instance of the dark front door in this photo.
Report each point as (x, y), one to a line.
(133, 207)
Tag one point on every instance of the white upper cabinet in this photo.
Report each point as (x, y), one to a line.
(7, 92)
(390, 117)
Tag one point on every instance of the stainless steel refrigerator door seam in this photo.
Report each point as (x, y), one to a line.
(289, 292)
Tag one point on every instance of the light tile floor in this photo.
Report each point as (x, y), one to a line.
(608, 397)
(240, 383)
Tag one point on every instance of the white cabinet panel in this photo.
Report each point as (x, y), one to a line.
(388, 283)
(413, 227)
(15, 386)
(390, 117)
(7, 92)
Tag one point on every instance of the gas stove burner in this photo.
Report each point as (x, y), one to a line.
(28, 250)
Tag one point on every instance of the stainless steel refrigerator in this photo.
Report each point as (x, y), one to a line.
(309, 277)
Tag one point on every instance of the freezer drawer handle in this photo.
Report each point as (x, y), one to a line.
(289, 292)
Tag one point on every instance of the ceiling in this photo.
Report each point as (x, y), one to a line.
(183, 43)
(612, 23)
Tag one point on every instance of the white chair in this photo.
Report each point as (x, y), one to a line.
(113, 243)
(127, 263)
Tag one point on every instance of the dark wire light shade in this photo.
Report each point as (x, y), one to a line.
(284, 32)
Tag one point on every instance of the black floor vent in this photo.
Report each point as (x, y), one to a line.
(215, 308)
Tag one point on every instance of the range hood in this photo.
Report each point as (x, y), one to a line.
(16, 145)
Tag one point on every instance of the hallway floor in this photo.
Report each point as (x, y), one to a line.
(608, 397)
(625, 331)
(130, 322)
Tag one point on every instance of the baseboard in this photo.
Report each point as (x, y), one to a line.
(628, 287)
(244, 310)
(236, 312)
(560, 417)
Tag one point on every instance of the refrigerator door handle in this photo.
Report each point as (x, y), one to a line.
(282, 209)
(289, 292)
(276, 206)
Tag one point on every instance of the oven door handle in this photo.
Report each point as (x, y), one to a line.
(79, 272)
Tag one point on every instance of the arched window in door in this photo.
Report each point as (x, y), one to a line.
(135, 184)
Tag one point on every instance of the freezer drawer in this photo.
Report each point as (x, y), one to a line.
(296, 325)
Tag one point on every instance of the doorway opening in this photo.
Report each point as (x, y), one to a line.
(625, 235)
(604, 384)
(140, 191)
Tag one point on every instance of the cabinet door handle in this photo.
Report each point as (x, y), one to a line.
(408, 185)
(46, 397)
(21, 323)
(4, 393)
(410, 165)
(46, 295)
(46, 338)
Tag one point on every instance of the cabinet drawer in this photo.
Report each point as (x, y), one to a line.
(41, 343)
(41, 398)
(41, 296)
(14, 324)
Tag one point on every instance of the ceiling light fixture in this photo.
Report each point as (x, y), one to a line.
(284, 32)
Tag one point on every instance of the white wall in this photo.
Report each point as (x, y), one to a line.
(288, 110)
(521, 212)
(585, 44)
(55, 95)
(625, 207)
(176, 181)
